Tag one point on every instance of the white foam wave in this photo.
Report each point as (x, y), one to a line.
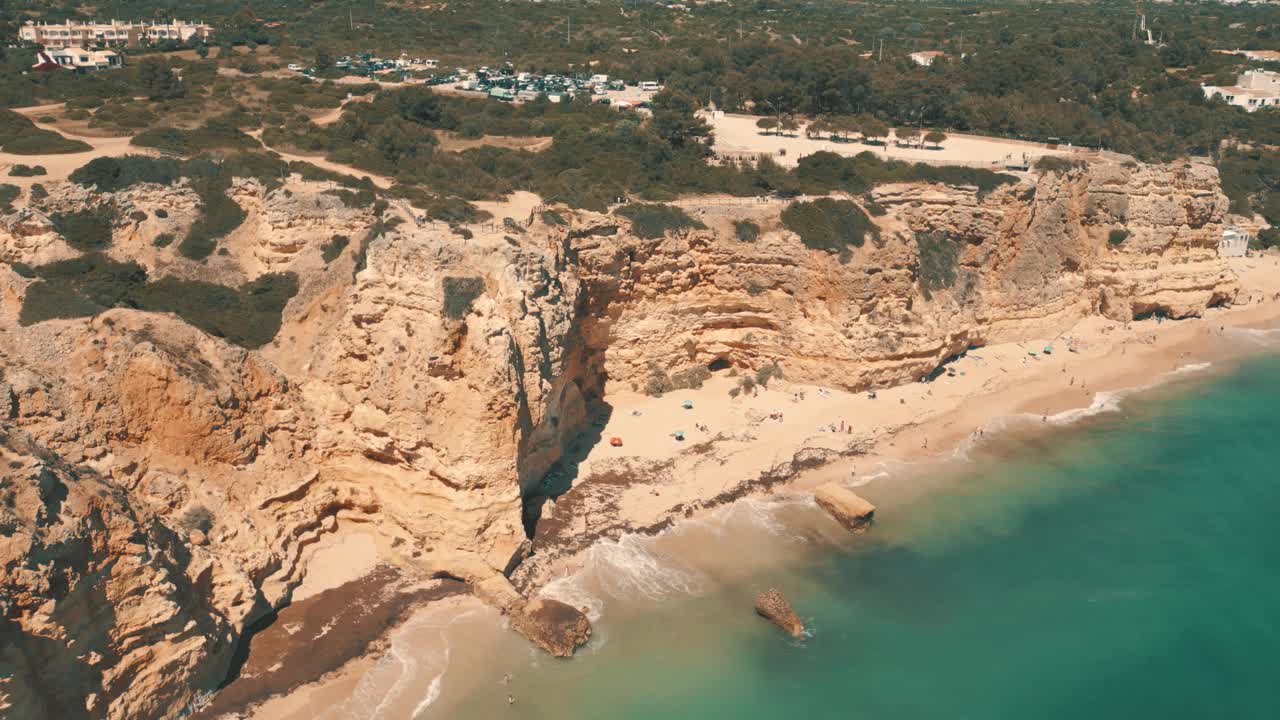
(1103, 402)
(1257, 336)
(403, 666)
(759, 513)
(628, 567)
(433, 690)
(570, 591)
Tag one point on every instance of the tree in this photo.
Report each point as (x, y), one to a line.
(324, 60)
(845, 125)
(675, 121)
(816, 128)
(768, 124)
(935, 138)
(202, 51)
(907, 135)
(788, 125)
(158, 81)
(873, 129)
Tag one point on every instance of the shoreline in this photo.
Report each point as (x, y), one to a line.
(651, 484)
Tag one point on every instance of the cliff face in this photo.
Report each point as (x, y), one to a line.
(950, 270)
(106, 612)
(422, 382)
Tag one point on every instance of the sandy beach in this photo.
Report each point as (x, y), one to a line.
(789, 437)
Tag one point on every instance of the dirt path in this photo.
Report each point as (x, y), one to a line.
(379, 180)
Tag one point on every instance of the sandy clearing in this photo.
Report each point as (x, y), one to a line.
(737, 135)
(518, 206)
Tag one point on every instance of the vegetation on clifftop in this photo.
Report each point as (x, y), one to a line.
(248, 316)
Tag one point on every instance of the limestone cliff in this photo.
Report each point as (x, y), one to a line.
(424, 382)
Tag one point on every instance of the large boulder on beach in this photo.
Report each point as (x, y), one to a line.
(554, 626)
(847, 507)
(772, 605)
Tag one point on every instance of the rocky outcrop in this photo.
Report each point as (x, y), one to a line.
(105, 611)
(845, 506)
(773, 606)
(553, 626)
(422, 385)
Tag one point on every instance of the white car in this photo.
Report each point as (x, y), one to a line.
(295, 67)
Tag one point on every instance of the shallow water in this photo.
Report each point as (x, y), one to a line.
(1123, 567)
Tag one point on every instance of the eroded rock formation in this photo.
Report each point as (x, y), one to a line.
(423, 383)
(773, 606)
(845, 506)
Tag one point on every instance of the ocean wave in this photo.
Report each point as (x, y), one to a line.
(628, 567)
(403, 667)
(754, 512)
(1256, 335)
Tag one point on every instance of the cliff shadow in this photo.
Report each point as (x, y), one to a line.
(562, 475)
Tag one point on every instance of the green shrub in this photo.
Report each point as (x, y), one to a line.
(214, 134)
(8, 193)
(359, 199)
(88, 229)
(333, 248)
(199, 518)
(772, 371)
(1266, 238)
(38, 192)
(162, 213)
(938, 256)
(653, 221)
(45, 142)
(1053, 163)
(1117, 236)
(163, 240)
(829, 224)
(745, 230)
(21, 170)
(109, 174)
(459, 293)
(454, 211)
(20, 136)
(551, 217)
(248, 316)
(219, 215)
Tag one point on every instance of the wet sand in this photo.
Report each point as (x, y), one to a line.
(322, 633)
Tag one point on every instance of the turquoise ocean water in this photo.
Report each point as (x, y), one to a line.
(1127, 566)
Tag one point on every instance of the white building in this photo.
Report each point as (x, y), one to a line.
(1253, 90)
(114, 32)
(75, 58)
(1234, 242)
(925, 58)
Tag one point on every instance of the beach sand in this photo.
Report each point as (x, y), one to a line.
(652, 479)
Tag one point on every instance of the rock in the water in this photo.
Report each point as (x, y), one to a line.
(846, 506)
(552, 625)
(773, 606)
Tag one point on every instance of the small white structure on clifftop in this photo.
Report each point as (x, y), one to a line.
(1234, 242)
